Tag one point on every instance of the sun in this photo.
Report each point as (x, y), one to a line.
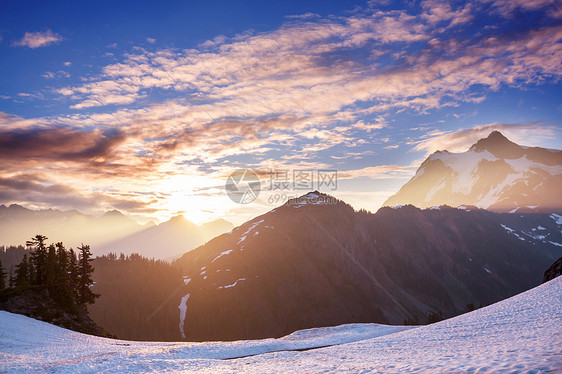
(198, 198)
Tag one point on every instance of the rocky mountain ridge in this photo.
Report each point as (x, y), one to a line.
(494, 174)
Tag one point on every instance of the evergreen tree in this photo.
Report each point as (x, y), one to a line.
(51, 269)
(12, 280)
(22, 274)
(2, 278)
(73, 273)
(85, 271)
(63, 291)
(38, 257)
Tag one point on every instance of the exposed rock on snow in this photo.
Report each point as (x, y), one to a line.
(554, 271)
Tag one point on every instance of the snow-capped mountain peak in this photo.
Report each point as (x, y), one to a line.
(494, 174)
(498, 145)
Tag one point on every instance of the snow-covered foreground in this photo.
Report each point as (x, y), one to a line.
(28, 344)
(521, 334)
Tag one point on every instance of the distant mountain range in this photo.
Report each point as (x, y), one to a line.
(494, 174)
(167, 240)
(111, 232)
(317, 262)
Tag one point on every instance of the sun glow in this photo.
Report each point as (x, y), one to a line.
(198, 198)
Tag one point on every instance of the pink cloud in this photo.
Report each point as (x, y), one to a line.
(38, 39)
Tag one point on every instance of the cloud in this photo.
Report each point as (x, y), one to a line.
(151, 40)
(304, 16)
(36, 190)
(38, 39)
(506, 8)
(461, 140)
(294, 93)
(58, 74)
(302, 73)
(33, 145)
(437, 11)
(380, 172)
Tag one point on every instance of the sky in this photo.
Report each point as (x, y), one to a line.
(147, 107)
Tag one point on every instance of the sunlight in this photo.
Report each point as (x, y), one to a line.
(198, 198)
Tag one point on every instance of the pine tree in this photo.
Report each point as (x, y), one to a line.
(63, 291)
(38, 257)
(85, 271)
(2, 278)
(12, 280)
(73, 273)
(51, 269)
(22, 274)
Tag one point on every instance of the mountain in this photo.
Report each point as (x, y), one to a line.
(18, 224)
(555, 270)
(494, 174)
(111, 232)
(216, 227)
(167, 240)
(316, 262)
(520, 334)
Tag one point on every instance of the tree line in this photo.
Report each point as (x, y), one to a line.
(66, 274)
(139, 297)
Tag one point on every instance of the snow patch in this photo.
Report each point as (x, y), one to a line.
(521, 167)
(232, 285)
(183, 309)
(186, 280)
(435, 189)
(510, 230)
(557, 218)
(252, 226)
(222, 254)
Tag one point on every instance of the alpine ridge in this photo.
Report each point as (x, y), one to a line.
(314, 261)
(494, 174)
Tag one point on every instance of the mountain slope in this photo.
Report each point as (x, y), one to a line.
(317, 262)
(166, 240)
(519, 334)
(494, 174)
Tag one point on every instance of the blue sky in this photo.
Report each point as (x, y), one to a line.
(147, 107)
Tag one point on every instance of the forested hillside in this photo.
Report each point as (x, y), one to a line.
(139, 297)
